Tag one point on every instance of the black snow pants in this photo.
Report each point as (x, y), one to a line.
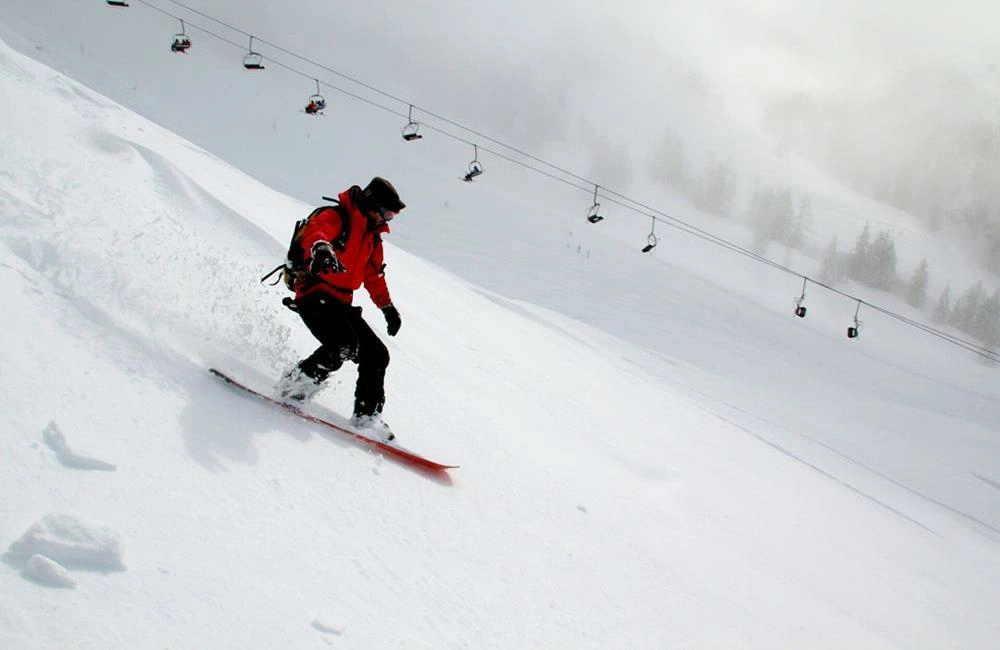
(345, 335)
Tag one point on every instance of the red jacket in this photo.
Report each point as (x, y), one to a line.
(362, 254)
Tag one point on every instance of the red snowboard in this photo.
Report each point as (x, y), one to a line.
(396, 453)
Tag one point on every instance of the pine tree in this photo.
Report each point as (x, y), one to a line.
(992, 239)
(761, 206)
(942, 310)
(781, 218)
(963, 316)
(858, 264)
(800, 223)
(916, 289)
(984, 324)
(831, 269)
(669, 162)
(991, 338)
(882, 262)
(718, 188)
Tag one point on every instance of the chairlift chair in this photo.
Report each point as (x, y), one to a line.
(475, 167)
(410, 132)
(252, 60)
(181, 44)
(800, 311)
(854, 330)
(412, 129)
(592, 211)
(651, 240)
(118, 3)
(316, 102)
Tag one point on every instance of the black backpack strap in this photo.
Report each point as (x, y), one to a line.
(292, 270)
(280, 267)
(345, 228)
(340, 243)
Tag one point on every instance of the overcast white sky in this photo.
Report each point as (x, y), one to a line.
(613, 75)
(896, 71)
(557, 52)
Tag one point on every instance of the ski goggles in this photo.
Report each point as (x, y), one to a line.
(387, 215)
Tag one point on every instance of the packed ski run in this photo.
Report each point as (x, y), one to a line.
(698, 469)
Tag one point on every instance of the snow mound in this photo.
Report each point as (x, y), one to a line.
(73, 542)
(48, 572)
(327, 626)
(56, 441)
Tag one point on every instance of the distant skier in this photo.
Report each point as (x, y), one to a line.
(341, 249)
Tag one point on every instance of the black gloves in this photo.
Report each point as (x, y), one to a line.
(392, 319)
(324, 259)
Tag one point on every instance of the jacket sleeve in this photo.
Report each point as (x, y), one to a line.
(324, 226)
(375, 278)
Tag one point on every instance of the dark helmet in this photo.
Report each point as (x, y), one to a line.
(383, 194)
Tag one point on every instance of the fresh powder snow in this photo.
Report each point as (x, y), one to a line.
(654, 451)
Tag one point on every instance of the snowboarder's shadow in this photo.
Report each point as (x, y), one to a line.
(222, 425)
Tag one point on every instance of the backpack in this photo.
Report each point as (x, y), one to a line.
(294, 269)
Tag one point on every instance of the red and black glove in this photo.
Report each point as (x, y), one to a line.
(324, 259)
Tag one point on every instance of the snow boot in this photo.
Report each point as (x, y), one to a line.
(297, 387)
(372, 426)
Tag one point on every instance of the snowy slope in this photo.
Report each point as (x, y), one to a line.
(714, 473)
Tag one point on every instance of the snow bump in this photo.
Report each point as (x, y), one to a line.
(48, 572)
(327, 626)
(71, 541)
(56, 441)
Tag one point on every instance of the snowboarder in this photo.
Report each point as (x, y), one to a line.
(342, 249)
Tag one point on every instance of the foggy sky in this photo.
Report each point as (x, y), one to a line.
(610, 77)
(613, 55)
(612, 74)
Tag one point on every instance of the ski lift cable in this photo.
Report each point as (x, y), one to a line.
(954, 340)
(957, 340)
(692, 229)
(335, 87)
(586, 182)
(283, 50)
(697, 232)
(683, 226)
(909, 321)
(344, 91)
(383, 93)
(285, 66)
(380, 91)
(951, 338)
(581, 184)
